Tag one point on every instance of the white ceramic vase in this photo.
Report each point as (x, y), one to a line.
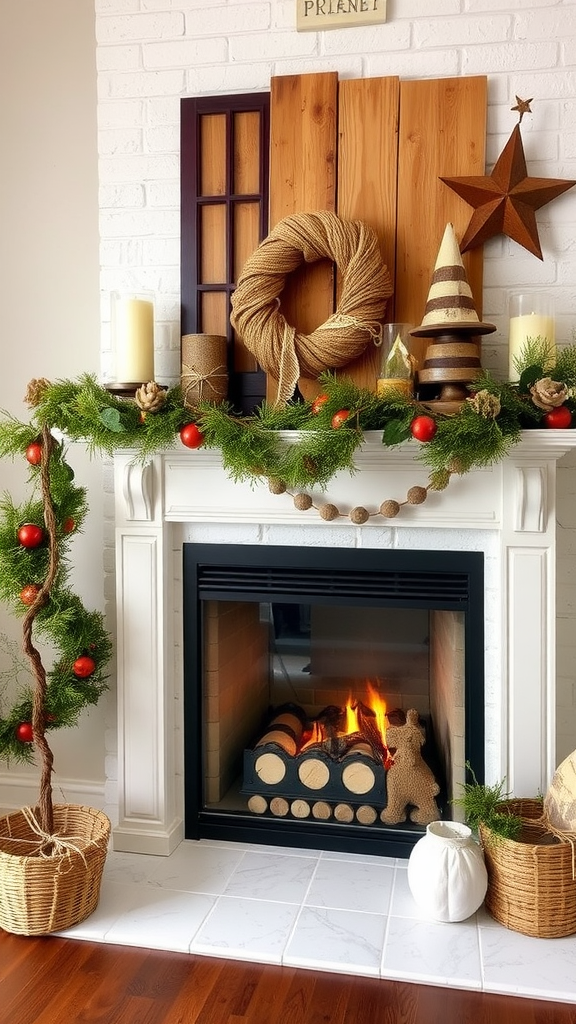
(446, 872)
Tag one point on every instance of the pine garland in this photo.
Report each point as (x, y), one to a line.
(297, 446)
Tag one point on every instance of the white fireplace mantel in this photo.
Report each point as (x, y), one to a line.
(506, 510)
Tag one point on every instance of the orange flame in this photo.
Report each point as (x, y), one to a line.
(351, 725)
(378, 705)
(316, 736)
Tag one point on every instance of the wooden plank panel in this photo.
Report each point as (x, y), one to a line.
(442, 131)
(303, 144)
(246, 233)
(213, 155)
(367, 180)
(214, 312)
(246, 236)
(246, 146)
(212, 228)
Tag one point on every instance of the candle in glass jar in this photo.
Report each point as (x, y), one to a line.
(531, 319)
(397, 365)
(133, 324)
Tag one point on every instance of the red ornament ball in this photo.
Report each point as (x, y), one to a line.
(191, 436)
(558, 419)
(423, 428)
(84, 666)
(318, 402)
(29, 593)
(24, 732)
(340, 417)
(30, 535)
(34, 453)
(69, 525)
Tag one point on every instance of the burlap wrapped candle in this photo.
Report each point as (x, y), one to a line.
(204, 373)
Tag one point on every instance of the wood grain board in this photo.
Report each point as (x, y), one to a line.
(442, 124)
(374, 149)
(303, 144)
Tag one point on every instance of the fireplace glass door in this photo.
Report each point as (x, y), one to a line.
(318, 681)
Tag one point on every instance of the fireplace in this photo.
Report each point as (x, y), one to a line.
(289, 657)
(503, 514)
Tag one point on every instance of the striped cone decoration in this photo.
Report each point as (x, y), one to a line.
(450, 305)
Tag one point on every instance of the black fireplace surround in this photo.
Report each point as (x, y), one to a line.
(288, 582)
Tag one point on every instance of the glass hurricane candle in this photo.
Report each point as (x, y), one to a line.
(396, 366)
(531, 320)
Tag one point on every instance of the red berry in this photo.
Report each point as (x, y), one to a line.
(318, 402)
(423, 428)
(559, 418)
(34, 453)
(84, 666)
(24, 732)
(29, 593)
(191, 436)
(68, 526)
(340, 417)
(30, 535)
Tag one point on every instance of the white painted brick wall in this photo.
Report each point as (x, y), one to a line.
(150, 53)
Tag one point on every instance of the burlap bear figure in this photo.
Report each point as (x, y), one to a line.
(409, 779)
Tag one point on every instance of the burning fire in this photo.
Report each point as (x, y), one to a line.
(379, 708)
(352, 723)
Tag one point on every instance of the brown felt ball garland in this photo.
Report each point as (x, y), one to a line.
(359, 515)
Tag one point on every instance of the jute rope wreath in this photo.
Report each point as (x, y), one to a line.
(279, 348)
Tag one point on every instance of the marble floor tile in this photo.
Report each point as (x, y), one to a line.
(430, 952)
(246, 929)
(349, 885)
(337, 940)
(280, 878)
(521, 964)
(196, 868)
(162, 919)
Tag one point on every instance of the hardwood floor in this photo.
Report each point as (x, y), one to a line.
(50, 980)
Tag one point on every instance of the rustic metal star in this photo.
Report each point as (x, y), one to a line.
(523, 107)
(504, 201)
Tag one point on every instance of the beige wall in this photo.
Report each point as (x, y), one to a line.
(49, 265)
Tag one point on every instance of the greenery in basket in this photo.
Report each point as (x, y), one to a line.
(35, 538)
(485, 805)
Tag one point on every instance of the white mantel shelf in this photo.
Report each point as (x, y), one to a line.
(507, 510)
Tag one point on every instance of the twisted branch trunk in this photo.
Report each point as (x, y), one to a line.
(45, 807)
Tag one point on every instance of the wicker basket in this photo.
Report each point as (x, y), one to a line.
(531, 888)
(40, 894)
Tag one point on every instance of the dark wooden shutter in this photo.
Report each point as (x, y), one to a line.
(224, 216)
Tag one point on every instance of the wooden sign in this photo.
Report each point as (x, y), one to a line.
(316, 15)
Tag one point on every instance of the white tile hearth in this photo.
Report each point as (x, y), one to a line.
(346, 913)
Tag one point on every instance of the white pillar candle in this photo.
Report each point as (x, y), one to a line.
(531, 318)
(133, 326)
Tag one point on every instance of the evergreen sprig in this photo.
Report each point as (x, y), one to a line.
(486, 805)
(61, 620)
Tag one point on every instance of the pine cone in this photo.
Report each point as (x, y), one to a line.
(150, 397)
(35, 391)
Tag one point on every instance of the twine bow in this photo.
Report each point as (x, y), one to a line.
(192, 378)
(48, 846)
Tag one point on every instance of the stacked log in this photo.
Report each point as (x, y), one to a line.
(339, 778)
